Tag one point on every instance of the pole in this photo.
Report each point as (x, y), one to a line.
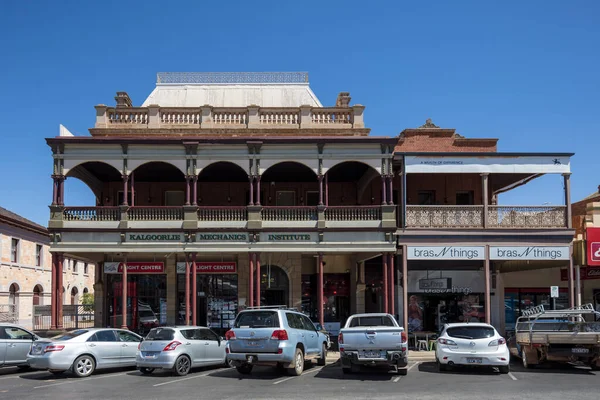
(59, 292)
(251, 257)
(392, 281)
(405, 286)
(194, 291)
(187, 289)
(385, 283)
(54, 297)
(488, 296)
(257, 289)
(571, 279)
(124, 293)
(578, 284)
(320, 291)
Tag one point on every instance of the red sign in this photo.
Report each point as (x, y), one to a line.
(135, 267)
(593, 246)
(585, 273)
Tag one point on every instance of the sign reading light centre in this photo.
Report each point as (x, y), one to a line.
(226, 267)
(149, 267)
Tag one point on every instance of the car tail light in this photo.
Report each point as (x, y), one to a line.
(226, 350)
(50, 348)
(279, 334)
(340, 338)
(172, 346)
(139, 345)
(497, 342)
(447, 342)
(404, 337)
(229, 335)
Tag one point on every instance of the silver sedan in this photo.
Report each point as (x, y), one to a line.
(15, 343)
(84, 350)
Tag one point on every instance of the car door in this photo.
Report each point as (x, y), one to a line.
(194, 347)
(18, 343)
(129, 345)
(105, 348)
(3, 344)
(214, 347)
(311, 337)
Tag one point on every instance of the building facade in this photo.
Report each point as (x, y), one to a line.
(227, 191)
(26, 271)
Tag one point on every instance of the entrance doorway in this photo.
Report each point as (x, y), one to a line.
(274, 286)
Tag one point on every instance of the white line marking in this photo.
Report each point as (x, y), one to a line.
(512, 376)
(79, 380)
(414, 365)
(292, 377)
(396, 379)
(185, 379)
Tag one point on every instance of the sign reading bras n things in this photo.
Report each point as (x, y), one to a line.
(529, 253)
(226, 267)
(593, 246)
(149, 267)
(446, 252)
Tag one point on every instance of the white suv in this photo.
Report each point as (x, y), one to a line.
(475, 344)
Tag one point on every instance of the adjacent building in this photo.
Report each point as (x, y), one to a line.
(232, 190)
(25, 272)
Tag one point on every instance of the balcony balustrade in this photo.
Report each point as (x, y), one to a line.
(91, 214)
(155, 213)
(353, 213)
(289, 214)
(532, 217)
(444, 216)
(222, 214)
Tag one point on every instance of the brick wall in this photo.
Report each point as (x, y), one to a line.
(441, 140)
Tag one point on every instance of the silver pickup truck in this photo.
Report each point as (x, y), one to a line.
(373, 340)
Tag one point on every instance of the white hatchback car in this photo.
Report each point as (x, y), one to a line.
(475, 344)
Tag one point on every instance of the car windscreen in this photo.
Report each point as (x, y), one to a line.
(69, 335)
(160, 334)
(371, 321)
(257, 319)
(470, 332)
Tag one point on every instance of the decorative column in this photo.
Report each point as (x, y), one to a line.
(383, 190)
(257, 263)
(58, 193)
(405, 286)
(59, 292)
(385, 283)
(251, 258)
(571, 278)
(124, 295)
(320, 178)
(485, 198)
(194, 291)
(567, 184)
(488, 296)
(251, 179)
(187, 190)
(132, 187)
(392, 284)
(195, 190)
(54, 189)
(390, 189)
(257, 202)
(320, 291)
(326, 189)
(54, 297)
(125, 180)
(187, 289)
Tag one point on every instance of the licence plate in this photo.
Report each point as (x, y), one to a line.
(150, 354)
(252, 343)
(372, 354)
(474, 360)
(580, 350)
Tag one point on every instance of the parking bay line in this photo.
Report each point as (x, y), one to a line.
(409, 368)
(78, 380)
(292, 377)
(514, 378)
(185, 379)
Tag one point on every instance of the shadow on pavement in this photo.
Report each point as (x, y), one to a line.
(164, 373)
(46, 375)
(369, 374)
(431, 367)
(553, 368)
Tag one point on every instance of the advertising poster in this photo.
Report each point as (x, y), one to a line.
(415, 313)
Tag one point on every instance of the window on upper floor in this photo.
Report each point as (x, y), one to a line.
(14, 250)
(85, 268)
(74, 266)
(38, 255)
(465, 198)
(426, 197)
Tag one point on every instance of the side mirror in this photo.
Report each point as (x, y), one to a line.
(34, 338)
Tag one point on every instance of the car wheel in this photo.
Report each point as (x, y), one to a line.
(505, 369)
(229, 363)
(244, 369)
(525, 361)
(182, 366)
(441, 367)
(298, 363)
(146, 370)
(23, 367)
(323, 359)
(84, 366)
(595, 367)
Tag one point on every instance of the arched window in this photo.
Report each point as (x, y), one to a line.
(74, 296)
(274, 286)
(13, 294)
(37, 295)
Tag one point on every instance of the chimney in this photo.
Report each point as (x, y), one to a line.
(123, 100)
(598, 188)
(343, 99)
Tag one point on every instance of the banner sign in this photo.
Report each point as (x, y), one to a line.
(593, 246)
(439, 283)
(154, 237)
(529, 253)
(446, 252)
(584, 273)
(149, 267)
(226, 267)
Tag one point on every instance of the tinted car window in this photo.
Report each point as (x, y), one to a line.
(257, 319)
(293, 321)
(70, 335)
(161, 334)
(470, 332)
(17, 334)
(371, 321)
(103, 336)
(206, 334)
(188, 333)
(308, 325)
(127, 337)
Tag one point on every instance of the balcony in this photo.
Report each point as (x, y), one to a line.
(498, 217)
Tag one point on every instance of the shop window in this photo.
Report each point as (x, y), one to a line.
(465, 198)
(285, 198)
(38, 255)
(14, 250)
(174, 198)
(426, 197)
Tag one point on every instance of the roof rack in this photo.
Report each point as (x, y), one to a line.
(277, 307)
(540, 310)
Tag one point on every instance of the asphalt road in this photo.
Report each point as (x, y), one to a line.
(422, 382)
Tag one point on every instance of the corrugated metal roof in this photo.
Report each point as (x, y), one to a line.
(18, 219)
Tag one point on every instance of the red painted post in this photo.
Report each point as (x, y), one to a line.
(54, 190)
(257, 262)
(251, 179)
(59, 292)
(195, 191)
(125, 180)
(383, 190)
(391, 189)
(194, 291)
(124, 295)
(187, 190)
(320, 190)
(251, 258)
(320, 291)
(257, 202)
(54, 297)
(327, 189)
(187, 289)
(385, 284)
(132, 191)
(392, 285)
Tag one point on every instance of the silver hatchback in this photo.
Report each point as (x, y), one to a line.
(180, 349)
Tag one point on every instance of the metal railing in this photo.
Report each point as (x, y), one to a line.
(9, 313)
(74, 317)
(527, 217)
(155, 213)
(353, 213)
(444, 216)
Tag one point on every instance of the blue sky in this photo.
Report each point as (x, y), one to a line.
(522, 71)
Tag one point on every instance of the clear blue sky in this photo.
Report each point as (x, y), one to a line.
(523, 71)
